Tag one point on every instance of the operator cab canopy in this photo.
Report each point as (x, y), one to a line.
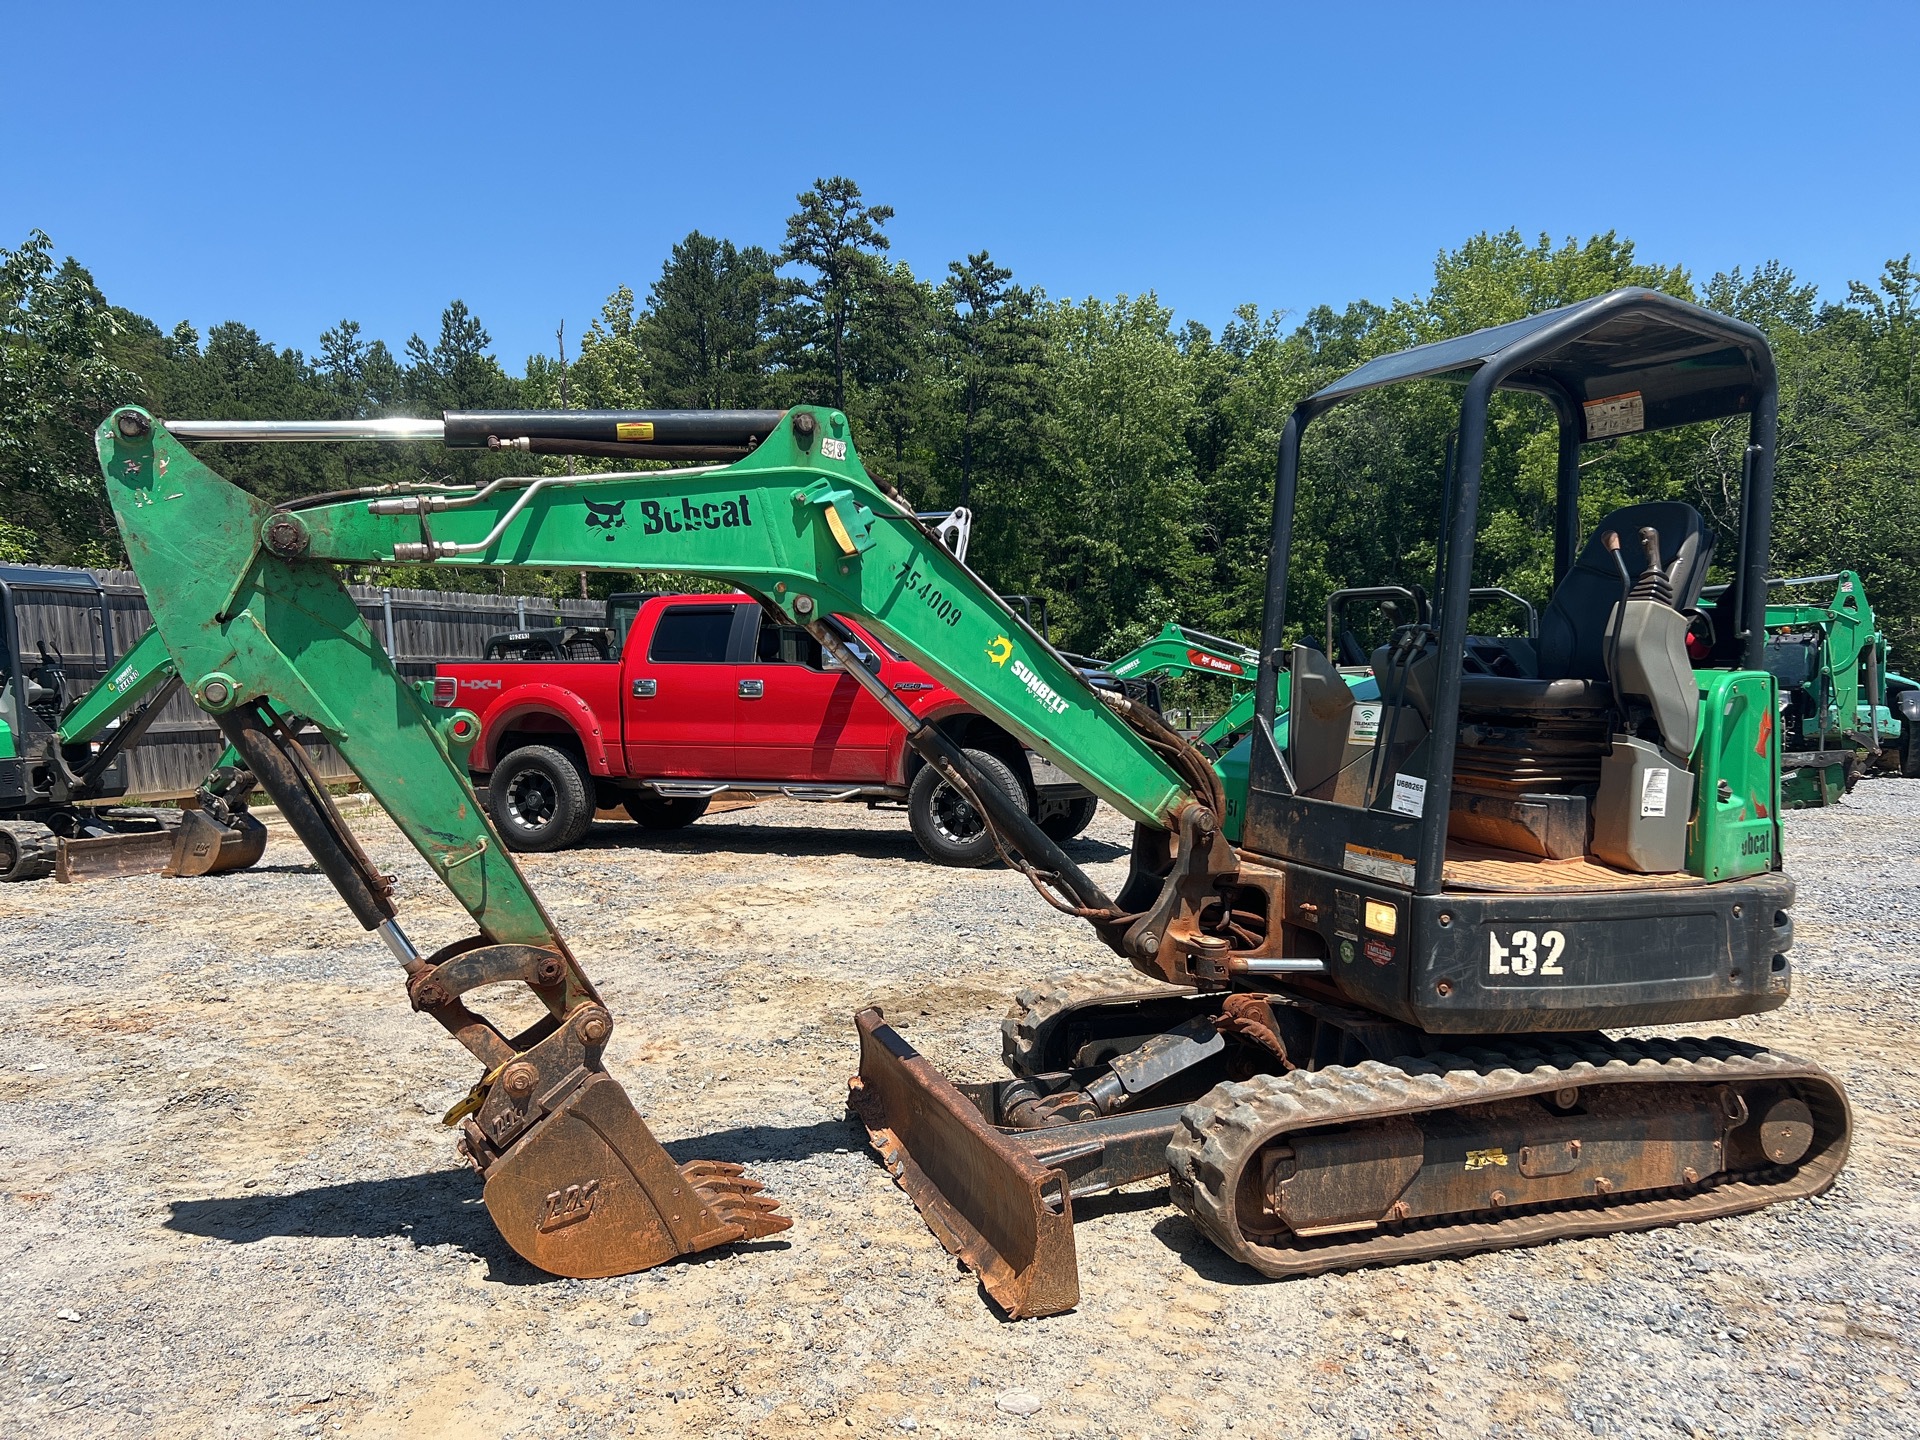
(1683, 363)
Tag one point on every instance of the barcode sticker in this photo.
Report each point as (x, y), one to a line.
(1409, 795)
(1616, 415)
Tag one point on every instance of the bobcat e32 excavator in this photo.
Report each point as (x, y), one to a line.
(1381, 1032)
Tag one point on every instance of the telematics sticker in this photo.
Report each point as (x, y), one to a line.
(1409, 795)
(1616, 415)
(1653, 793)
(1364, 726)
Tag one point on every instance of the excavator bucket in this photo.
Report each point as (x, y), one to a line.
(198, 845)
(589, 1192)
(203, 846)
(1002, 1212)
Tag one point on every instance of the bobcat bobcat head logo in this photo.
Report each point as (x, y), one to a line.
(606, 517)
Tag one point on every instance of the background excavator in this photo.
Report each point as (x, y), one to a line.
(62, 758)
(1381, 1029)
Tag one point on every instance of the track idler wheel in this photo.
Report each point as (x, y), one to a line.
(589, 1192)
(27, 850)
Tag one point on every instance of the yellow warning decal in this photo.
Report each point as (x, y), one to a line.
(1481, 1159)
(634, 429)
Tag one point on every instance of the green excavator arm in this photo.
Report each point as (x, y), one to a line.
(1178, 650)
(248, 600)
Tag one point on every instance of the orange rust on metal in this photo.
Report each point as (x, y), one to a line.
(1003, 1213)
(1249, 1017)
(197, 845)
(588, 1192)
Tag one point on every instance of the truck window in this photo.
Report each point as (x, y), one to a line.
(787, 645)
(692, 635)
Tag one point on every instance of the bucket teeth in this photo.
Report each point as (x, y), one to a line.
(736, 1198)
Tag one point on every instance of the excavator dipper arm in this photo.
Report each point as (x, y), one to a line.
(249, 602)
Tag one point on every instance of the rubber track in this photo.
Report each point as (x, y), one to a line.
(37, 847)
(1223, 1131)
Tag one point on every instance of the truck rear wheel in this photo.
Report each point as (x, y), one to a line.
(540, 798)
(1063, 825)
(948, 828)
(662, 812)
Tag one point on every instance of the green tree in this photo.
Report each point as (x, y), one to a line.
(838, 236)
(708, 325)
(611, 373)
(458, 372)
(993, 349)
(57, 380)
(889, 397)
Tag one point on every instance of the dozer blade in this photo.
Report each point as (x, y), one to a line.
(138, 852)
(198, 845)
(1003, 1213)
(589, 1192)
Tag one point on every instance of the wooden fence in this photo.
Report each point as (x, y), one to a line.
(417, 627)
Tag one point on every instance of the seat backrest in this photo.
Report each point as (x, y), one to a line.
(1572, 631)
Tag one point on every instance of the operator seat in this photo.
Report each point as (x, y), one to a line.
(1530, 747)
(1572, 661)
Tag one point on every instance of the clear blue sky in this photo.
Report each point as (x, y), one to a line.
(288, 165)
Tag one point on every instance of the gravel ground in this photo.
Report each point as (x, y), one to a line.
(227, 1206)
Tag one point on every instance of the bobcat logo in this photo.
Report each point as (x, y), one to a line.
(606, 517)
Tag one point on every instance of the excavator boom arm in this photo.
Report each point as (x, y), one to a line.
(249, 602)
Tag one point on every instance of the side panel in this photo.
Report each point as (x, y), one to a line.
(1736, 826)
(561, 702)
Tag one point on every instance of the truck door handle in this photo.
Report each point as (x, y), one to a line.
(645, 689)
(752, 689)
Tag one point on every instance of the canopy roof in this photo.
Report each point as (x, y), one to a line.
(1627, 361)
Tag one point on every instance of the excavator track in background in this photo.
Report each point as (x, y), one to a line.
(1080, 1023)
(1494, 1148)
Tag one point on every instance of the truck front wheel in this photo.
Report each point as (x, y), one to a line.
(948, 828)
(540, 798)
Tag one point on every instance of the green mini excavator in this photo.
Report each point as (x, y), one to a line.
(1387, 1020)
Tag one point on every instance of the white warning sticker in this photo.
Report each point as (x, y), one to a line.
(1616, 415)
(1363, 727)
(1379, 864)
(1653, 792)
(1409, 795)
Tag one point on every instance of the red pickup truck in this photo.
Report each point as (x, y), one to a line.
(685, 697)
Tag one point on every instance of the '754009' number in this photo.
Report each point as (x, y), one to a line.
(920, 584)
(1525, 953)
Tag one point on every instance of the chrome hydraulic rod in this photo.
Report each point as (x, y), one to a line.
(260, 431)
